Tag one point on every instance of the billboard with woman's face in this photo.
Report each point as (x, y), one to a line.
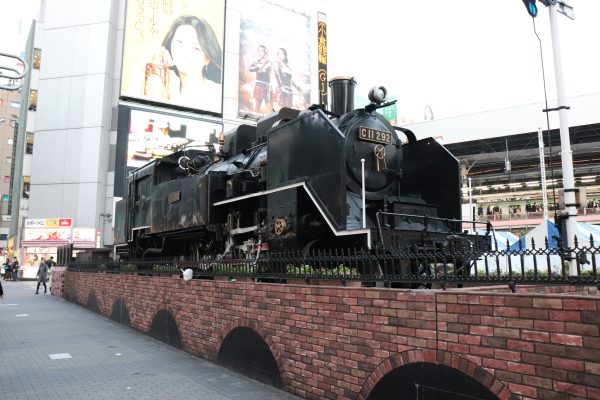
(274, 64)
(173, 53)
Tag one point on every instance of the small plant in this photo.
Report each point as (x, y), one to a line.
(343, 270)
(301, 269)
(234, 269)
(128, 268)
(166, 269)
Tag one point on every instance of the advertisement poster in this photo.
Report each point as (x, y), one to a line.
(154, 135)
(173, 53)
(143, 136)
(274, 64)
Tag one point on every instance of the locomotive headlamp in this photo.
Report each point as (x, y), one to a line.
(378, 94)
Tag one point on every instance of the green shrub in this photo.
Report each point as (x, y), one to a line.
(301, 269)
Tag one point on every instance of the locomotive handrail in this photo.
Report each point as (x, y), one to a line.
(426, 219)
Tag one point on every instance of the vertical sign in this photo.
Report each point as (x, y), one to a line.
(322, 49)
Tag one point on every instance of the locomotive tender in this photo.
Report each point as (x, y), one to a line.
(295, 181)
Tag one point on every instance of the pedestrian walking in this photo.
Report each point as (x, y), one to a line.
(15, 269)
(42, 276)
(7, 270)
(50, 262)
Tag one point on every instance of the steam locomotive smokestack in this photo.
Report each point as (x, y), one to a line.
(342, 94)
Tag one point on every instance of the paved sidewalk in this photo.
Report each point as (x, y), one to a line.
(107, 360)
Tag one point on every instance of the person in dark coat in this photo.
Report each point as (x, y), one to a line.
(42, 276)
(15, 269)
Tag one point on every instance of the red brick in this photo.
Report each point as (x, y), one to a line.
(576, 390)
(593, 393)
(518, 301)
(481, 351)
(548, 303)
(552, 373)
(535, 336)
(457, 308)
(590, 317)
(492, 300)
(493, 321)
(506, 332)
(579, 304)
(561, 315)
(458, 348)
(481, 330)
(532, 313)
(519, 323)
(522, 368)
(569, 340)
(495, 364)
(520, 345)
(550, 349)
(506, 312)
(508, 355)
(508, 376)
(468, 339)
(567, 364)
(592, 368)
(581, 329)
(549, 326)
(536, 381)
(523, 390)
(481, 310)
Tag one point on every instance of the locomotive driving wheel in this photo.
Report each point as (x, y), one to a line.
(280, 226)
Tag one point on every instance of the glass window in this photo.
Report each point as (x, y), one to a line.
(29, 147)
(10, 141)
(3, 236)
(6, 179)
(37, 58)
(33, 100)
(4, 197)
(8, 160)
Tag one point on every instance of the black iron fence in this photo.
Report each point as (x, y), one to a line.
(414, 267)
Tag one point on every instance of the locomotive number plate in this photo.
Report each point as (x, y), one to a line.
(373, 135)
(174, 197)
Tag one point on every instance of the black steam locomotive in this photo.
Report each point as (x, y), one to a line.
(299, 180)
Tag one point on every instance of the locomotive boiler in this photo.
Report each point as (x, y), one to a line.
(298, 180)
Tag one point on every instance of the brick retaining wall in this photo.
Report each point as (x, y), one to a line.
(337, 343)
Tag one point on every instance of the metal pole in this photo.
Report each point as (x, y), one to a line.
(565, 143)
(471, 213)
(364, 209)
(543, 174)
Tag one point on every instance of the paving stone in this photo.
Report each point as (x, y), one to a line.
(146, 368)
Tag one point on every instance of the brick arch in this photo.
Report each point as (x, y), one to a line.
(174, 314)
(256, 327)
(451, 360)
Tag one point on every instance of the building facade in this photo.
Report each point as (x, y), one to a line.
(85, 109)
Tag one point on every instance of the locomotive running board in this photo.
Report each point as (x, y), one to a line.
(295, 185)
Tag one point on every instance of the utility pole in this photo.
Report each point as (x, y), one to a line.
(543, 174)
(566, 154)
(565, 141)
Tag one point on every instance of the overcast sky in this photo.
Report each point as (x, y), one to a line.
(458, 57)
(461, 56)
